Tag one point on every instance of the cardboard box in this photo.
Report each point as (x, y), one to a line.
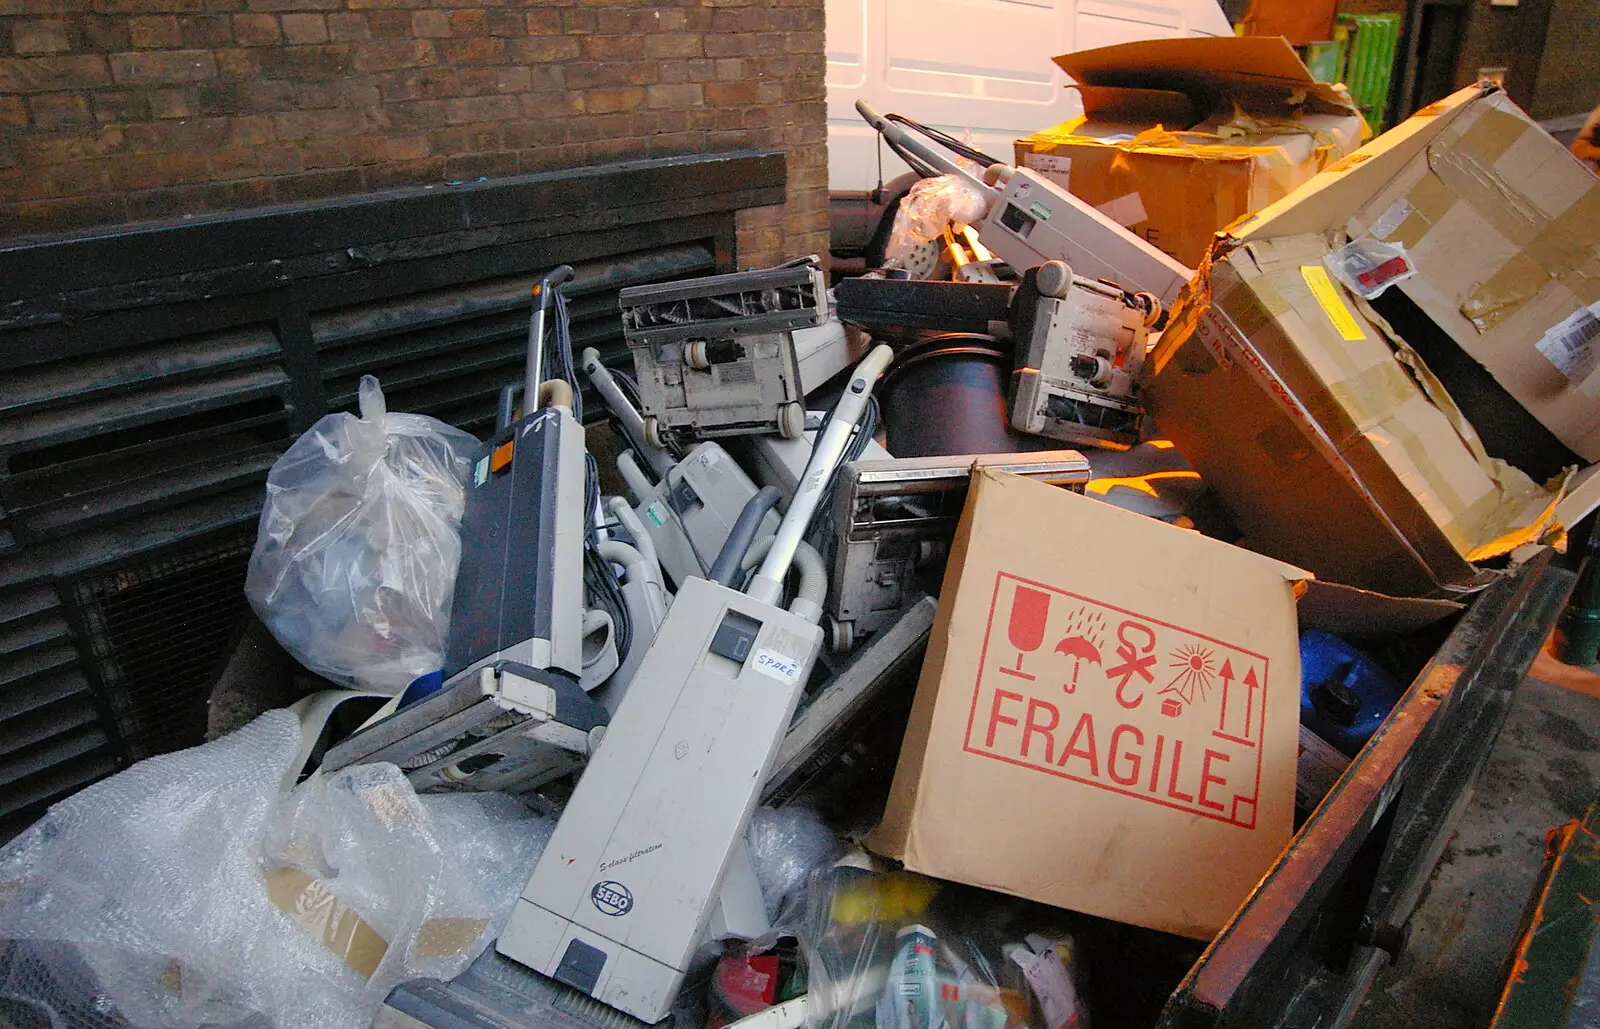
(1181, 137)
(1329, 435)
(1107, 717)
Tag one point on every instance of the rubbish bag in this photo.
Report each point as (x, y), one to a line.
(930, 206)
(188, 891)
(787, 845)
(356, 552)
(898, 950)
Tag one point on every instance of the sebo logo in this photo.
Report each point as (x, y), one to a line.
(611, 898)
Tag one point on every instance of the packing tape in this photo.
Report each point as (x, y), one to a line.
(1246, 355)
(1531, 532)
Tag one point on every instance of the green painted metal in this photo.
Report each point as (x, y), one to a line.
(1370, 42)
(1325, 60)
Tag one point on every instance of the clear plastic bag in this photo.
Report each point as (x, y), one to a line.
(188, 891)
(901, 951)
(1367, 267)
(356, 552)
(930, 206)
(787, 845)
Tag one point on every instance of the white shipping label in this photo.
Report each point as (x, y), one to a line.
(1571, 343)
(1125, 210)
(1048, 163)
(1390, 220)
(778, 666)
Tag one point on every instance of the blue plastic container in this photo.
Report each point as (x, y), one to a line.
(1344, 694)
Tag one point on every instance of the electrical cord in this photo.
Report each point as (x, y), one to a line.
(944, 139)
(820, 526)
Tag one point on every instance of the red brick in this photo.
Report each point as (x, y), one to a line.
(406, 148)
(305, 28)
(469, 109)
(510, 23)
(314, 185)
(532, 23)
(343, 152)
(40, 37)
(668, 143)
(68, 212)
(417, 84)
(543, 131)
(618, 22)
(163, 66)
(170, 103)
(465, 139)
(333, 121)
(386, 55)
(277, 6)
(404, 173)
(613, 48)
(430, 23)
(687, 95)
(144, 7)
(730, 69)
(232, 164)
(575, 23)
(190, 134)
(417, 114)
(155, 32)
(255, 29)
(729, 94)
(390, 24)
(479, 50)
(206, 31)
(541, 49)
(237, 64)
(467, 167)
(671, 44)
(60, 110)
(327, 61)
(251, 131)
(551, 157)
(605, 150)
(13, 113)
(343, 27)
(702, 69)
(45, 74)
(469, 23)
(279, 159)
(105, 35)
(120, 106)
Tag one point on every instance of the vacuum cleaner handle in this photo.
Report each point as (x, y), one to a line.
(531, 376)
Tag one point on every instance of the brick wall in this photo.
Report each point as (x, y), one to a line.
(123, 110)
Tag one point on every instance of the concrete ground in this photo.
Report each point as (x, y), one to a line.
(1543, 771)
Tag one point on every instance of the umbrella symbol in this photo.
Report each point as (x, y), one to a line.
(1080, 650)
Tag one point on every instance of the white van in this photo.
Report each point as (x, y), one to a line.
(977, 69)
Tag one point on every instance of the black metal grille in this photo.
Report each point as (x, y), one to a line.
(157, 630)
(150, 374)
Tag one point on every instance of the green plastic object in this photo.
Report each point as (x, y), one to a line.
(1325, 60)
(1370, 42)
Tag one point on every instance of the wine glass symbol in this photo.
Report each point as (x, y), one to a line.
(1030, 609)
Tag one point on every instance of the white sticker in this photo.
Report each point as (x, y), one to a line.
(781, 667)
(1390, 220)
(1127, 209)
(1053, 164)
(480, 471)
(1570, 344)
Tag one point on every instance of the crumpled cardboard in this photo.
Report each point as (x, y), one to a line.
(1330, 437)
(1181, 137)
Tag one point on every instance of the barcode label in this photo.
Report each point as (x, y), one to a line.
(1570, 344)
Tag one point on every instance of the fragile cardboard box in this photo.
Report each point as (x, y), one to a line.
(1107, 716)
(1328, 433)
(1180, 137)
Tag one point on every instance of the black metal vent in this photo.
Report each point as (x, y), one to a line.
(150, 375)
(157, 630)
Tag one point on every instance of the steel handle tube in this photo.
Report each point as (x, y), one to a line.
(542, 296)
(825, 455)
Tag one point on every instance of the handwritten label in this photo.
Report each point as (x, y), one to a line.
(781, 667)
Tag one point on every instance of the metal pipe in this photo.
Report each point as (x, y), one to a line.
(825, 456)
(628, 417)
(532, 370)
(900, 137)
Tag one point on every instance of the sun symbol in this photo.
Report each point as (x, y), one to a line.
(1196, 666)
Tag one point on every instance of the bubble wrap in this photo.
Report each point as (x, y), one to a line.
(787, 845)
(143, 895)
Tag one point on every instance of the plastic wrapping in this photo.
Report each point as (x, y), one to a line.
(930, 206)
(188, 891)
(356, 552)
(1367, 267)
(901, 951)
(787, 846)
